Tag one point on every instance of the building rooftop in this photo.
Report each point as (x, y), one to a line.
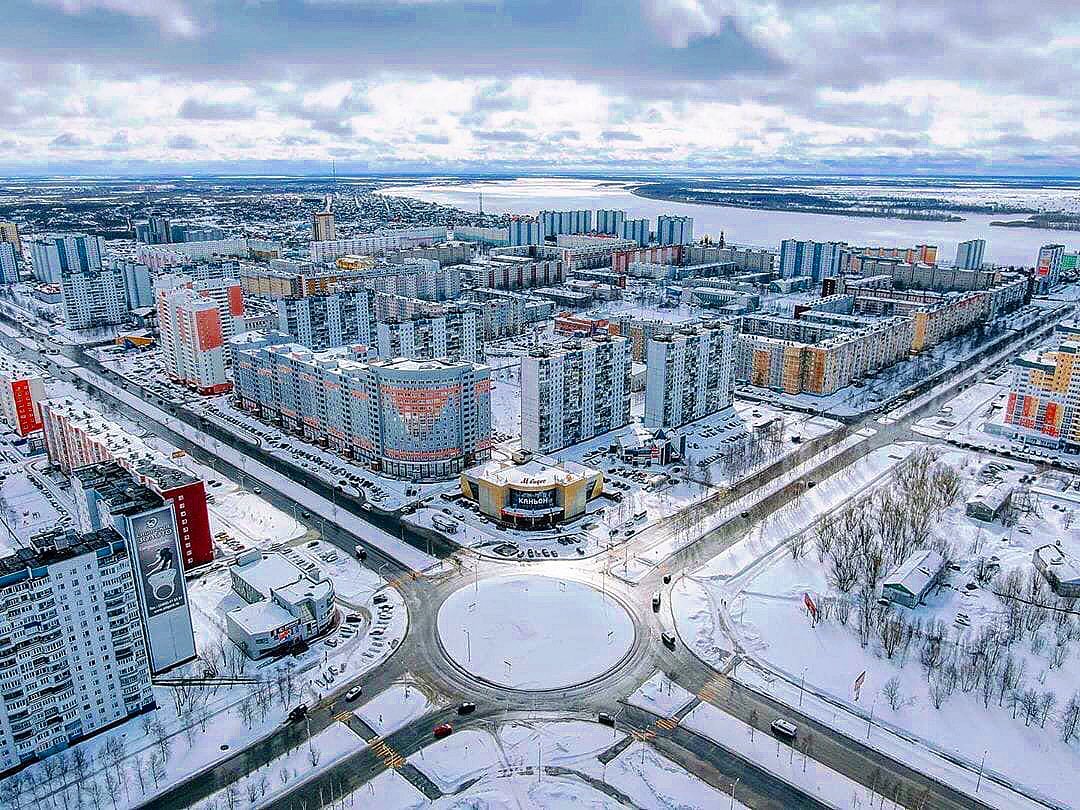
(1065, 567)
(538, 471)
(265, 572)
(916, 572)
(261, 617)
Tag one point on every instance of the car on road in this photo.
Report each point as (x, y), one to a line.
(668, 639)
(297, 714)
(784, 728)
(442, 730)
(605, 719)
(466, 708)
(656, 602)
(353, 693)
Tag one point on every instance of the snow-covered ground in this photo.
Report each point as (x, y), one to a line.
(660, 696)
(534, 632)
(511, 762)
(400, 704)
(284, 773)
(653, 781)
(513, 745)
(755, 591)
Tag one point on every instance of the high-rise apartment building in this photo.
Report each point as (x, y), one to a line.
(689, 374)
(610, 220)
(109, 496)
(636, 230)
(76, 435)
(453, 335)
(325, 321)
(524, 231)
(322, 225)
(1044, 398)
(817, 260)
(9, 263)
(574, 392)
(1048, 266)
(56, 253)
(9, 232)
(22, 388)
(552, 223)
(104, 296)
(673, 230)
(969, 254)
(74, 656)
(413, 419)
(192, 340)
(180, 232)
(155, 231)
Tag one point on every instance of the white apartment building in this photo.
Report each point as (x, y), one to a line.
(574, 392)
(373, 244)
(195, 319)
(9, 265)
(453, 335)
(73, 657)
(56, 253)
(689, 374)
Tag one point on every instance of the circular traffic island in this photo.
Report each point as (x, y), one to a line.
(534, 633)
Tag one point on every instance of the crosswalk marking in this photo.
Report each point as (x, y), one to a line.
(667, 723)
(344, 717)
(390, 757)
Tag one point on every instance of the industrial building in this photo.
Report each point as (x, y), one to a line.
(414, 419)
(690, 374)
(914, 578)
(1060, 569)
(573, 392)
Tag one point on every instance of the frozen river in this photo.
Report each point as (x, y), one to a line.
(1008, 246)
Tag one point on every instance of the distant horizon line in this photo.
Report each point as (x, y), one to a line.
(503, 175)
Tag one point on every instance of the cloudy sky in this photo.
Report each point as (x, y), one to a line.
(628, 86)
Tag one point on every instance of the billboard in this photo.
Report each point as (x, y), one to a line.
(159, 580)
(523, 499)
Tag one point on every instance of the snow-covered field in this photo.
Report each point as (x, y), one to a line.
(534, 632)
(397, 706)
(511, 764)
(755, 590)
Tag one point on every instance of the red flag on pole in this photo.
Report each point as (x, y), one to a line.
(859, 682)
(810, 605)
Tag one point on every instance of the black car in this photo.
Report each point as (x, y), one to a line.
(605, 719)
(466, 708)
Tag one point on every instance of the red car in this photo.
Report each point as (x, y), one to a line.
(442, 730)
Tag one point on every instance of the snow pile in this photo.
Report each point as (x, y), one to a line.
(397, 706)
(660, 696)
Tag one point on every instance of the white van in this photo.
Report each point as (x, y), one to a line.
(784, 728)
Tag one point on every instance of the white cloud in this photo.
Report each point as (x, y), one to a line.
(172, 16)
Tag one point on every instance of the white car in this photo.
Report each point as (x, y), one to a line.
(353, 693)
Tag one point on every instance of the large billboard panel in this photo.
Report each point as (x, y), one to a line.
(159, 579)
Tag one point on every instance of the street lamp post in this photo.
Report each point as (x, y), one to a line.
(978, 782)
(733, 784)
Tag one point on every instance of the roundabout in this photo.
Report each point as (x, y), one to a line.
(534, 633)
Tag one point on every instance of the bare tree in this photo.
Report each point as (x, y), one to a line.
(1047, 702)
(313, 754)
(892, 693)
(1070, 718)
